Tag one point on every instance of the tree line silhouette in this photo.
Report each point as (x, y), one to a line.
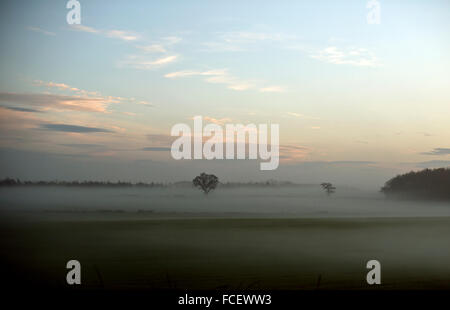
(17, 182)
(427, 183)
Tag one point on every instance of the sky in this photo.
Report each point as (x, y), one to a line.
(356, 102)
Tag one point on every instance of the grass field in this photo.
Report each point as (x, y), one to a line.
(156, 250)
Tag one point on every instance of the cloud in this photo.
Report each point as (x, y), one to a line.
(160, 46)
(185, 73)
(156, 149)
(39, 30)
(272, 89)
(219, 76)
(220, 121)
(141, 60)
(118, 34)
(438, 151)
(145, 103)
(84, 28)
(61, 86)
(123, 35)
(90, 95)
(360, 57)
(164, 60)
(18, 109)
(72, 128)
(222, 76)
(61, 102)
(293, 153)
(143, 63)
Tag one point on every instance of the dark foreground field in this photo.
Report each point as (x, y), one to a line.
(160, 251)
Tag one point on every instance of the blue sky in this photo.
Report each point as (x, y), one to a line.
(340, 88)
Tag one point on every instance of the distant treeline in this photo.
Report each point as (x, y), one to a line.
(428, 184)
(16, 182)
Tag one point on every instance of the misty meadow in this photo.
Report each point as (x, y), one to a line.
(261, 235)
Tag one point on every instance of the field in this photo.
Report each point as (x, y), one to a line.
(134, 247)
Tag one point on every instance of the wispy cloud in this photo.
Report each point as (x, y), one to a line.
(218, 121)
(360, 57)
(62, 86)
(144, 59)
(222, 76)
(141, 60)
(72, 128)
(293, 153)
(39, 30)
(160, 46)
(144, 63)
(118, 34)
(97, 101)
(54, 101)
(122, 35)
(294, 114)
(85, 28)
(18, 109)
(145, 103)
(438, 151)
(164, 60)
(185, 73)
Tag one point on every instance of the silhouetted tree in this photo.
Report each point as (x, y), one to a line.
(328, 187)
(206, 182)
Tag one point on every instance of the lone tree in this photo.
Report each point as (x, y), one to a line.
(328, 187)
(206, 182)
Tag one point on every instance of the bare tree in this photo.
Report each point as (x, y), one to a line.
(328, 187)
(206, 182)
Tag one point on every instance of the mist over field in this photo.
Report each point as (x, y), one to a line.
(285, 201)
(293, 237)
